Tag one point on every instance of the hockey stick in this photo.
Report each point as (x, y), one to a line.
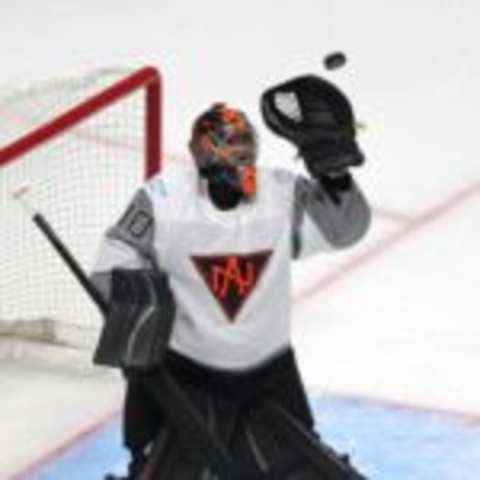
(45, 227)
(183, 414)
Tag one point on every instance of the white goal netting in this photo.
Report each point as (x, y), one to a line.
(81, 173)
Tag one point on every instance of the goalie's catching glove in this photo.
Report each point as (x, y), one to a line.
(318, 118)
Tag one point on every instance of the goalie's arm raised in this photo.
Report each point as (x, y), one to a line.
(330, 212)
(317, 117)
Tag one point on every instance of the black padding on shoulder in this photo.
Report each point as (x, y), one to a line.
(139, 322)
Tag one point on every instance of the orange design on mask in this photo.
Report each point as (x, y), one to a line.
(249, 180)
(232, 117)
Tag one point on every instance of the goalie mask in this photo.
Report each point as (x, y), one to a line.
(224, 146)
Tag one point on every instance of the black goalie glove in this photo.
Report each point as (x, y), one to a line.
(318, 118)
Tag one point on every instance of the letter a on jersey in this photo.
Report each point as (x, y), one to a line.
(232, 278)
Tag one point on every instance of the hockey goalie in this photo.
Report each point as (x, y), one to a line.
(199, 266)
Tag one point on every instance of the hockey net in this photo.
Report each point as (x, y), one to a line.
(82, 145)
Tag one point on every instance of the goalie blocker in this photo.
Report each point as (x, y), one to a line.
(138, 322)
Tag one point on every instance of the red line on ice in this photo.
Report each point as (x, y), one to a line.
(467, 419)
(410, 228)
(393, 215)
(47, 457)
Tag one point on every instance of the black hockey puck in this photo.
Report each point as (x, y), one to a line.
(334, 60)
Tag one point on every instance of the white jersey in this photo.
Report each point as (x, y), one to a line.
(229, 271)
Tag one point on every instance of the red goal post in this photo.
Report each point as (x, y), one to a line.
(147, 78)
(83, 145)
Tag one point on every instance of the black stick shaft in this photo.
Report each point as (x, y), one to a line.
(71, 262)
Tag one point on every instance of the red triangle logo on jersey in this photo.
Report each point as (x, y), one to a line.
(232, 278)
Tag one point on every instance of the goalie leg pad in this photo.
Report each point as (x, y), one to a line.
(263, 435)
(292, 451)
(142, 418)
(168, 460)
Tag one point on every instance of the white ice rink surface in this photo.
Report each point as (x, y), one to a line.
(45, 410)
(396, 317)
(397, 320)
